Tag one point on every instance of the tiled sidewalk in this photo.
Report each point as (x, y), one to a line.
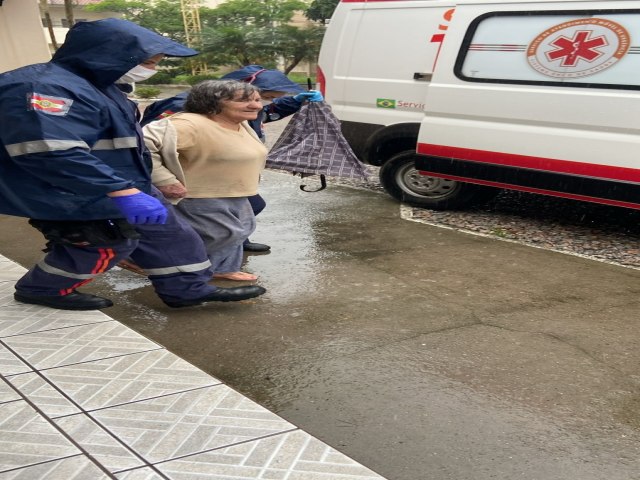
(85, 397)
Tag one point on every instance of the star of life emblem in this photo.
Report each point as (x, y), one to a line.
(578, 48)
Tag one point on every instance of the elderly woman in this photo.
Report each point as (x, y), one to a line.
(281, 98)
(207, 160)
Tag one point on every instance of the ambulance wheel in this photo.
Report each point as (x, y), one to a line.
(402, 181)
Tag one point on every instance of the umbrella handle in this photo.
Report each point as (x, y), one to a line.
(323, 185)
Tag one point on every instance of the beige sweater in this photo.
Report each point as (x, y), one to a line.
(209, 160)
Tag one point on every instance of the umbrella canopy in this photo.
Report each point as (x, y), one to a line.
(312, 144)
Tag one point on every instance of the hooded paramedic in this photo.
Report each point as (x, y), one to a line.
(276, 92)
(72, 160)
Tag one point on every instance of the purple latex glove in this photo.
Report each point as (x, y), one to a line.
(141, 209)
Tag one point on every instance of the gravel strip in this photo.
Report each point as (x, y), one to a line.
(606, 234)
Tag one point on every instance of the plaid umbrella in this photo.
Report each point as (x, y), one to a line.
(312, 144)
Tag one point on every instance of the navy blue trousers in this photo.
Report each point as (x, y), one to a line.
(173, 255)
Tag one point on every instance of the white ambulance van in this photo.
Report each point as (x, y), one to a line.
(457, 99)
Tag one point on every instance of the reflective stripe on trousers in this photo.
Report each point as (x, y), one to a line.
(67, 267)
(172, 253)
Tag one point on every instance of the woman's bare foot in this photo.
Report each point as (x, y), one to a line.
(237, 276)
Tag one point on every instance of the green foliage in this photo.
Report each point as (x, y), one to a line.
(229, 45)
(193, 79)
(160, 78)
(129, 8)
(236, 33)
(298, 44)
(147, 92)
(161, 16)
(240, 13)
(301, 78)
(321, 10)
(243, 32)
(182, 79)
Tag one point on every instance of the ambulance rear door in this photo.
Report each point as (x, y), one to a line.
(541, 97)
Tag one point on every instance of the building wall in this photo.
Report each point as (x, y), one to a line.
(22, 39)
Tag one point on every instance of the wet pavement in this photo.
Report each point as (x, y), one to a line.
(83, 397)
(420, 352)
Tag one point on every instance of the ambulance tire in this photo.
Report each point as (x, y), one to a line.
(402, 181)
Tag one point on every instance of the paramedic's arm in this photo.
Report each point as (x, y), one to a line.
(280, 108)
(56, 148)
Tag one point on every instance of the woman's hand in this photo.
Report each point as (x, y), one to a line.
(173, 190)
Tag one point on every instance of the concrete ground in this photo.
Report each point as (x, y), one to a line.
(83, 397)
(420, 352)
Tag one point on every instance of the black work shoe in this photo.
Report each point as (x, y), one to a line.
(255, 247)
(72, 301)
(221, 295)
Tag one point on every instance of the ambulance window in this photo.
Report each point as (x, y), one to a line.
(563, 48)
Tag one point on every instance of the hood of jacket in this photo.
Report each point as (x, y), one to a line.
(264, 79)
(104, 50)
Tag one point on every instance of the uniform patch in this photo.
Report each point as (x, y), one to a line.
(50, 105)
(165, 114)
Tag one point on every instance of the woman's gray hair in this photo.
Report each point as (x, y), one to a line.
(206, 97)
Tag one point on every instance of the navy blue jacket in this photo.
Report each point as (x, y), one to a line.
(271, 80)
(68, 135)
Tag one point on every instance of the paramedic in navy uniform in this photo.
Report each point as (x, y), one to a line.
(72, 160)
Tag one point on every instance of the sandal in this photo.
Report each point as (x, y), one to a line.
(131, 266)
(236, 276)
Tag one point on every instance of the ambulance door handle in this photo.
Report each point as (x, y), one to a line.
(423, 77)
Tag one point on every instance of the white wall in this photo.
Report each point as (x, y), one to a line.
(22, 39)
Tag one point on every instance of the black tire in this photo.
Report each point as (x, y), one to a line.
(402, 181)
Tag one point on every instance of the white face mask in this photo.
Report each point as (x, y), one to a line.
(137, 74)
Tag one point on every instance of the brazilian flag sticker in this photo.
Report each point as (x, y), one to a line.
(385, 103)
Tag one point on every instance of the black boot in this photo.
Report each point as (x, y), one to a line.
(72, 301)
(249, 246)
(220, 295)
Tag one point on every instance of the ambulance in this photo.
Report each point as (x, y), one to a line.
(455, 100)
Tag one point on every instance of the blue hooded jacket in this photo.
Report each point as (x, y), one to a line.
(271, 80)
(68, 135)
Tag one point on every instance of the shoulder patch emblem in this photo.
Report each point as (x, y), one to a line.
(165, 114)
(50, 105)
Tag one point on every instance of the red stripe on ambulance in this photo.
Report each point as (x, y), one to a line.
(535, 163)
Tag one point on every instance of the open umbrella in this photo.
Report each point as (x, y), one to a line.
(312, 144)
